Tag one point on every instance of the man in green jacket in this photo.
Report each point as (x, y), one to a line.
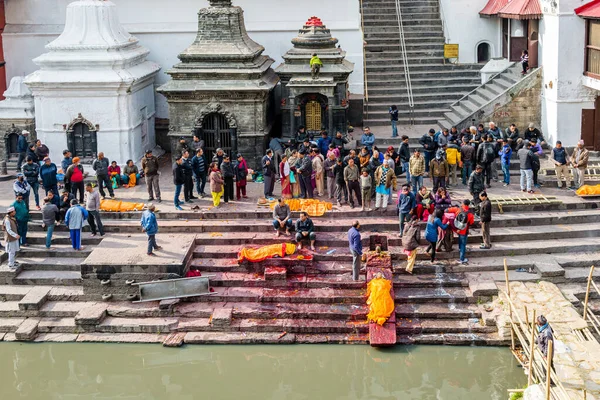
(22, 217)
(315, 65)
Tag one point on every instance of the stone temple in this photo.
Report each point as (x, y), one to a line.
(95, 88)
(319, 104)
(222, 88)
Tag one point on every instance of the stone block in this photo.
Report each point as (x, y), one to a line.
(57, 325)
(137, 325)
(238, 338)
(549, 268)
(10, 325)
(92, 315)
(27, 330)
(483, 288)
(275, 273)
(222, 317)
(121, 338)
(35, 298)
(174, 339)
(168, 304)
(382, 335)
(56, 337)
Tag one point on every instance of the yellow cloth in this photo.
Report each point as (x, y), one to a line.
(217, 197)
(265, 252)
(120, 206)
(380, 302)
(410, 261)
(314, 208)
(132, 181)
(588, 190)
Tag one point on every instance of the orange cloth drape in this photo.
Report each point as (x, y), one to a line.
(314, 208)
(380, 302)
(265, 252)
(588, 190)
(120, 206)
(132, 181)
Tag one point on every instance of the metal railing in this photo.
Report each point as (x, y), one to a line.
(409, 91)
(444, 28)
(364, 44)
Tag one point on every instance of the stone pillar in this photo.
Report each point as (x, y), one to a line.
(330, 101)
(292, 117)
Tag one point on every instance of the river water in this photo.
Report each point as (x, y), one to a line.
(290, 372)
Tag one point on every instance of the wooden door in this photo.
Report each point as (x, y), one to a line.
(216, 134)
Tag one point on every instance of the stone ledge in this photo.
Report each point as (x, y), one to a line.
(34, 299)
(221, 317)
(121, 338)
(92, 315)
(238, 338)
(27, 330)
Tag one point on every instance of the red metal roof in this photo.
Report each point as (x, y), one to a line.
(492, 7)
(521, 9)
(589, 10)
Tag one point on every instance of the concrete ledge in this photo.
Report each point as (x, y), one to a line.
(27, 330)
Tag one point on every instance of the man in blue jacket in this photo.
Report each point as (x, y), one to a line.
(48, 173)
(368, 139)
(22, 147)
(150, 226)
(355, 242)
(406, 204)
(323, 143)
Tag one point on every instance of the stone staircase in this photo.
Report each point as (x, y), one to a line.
(435, 85)
(286, 300)
(467, 107)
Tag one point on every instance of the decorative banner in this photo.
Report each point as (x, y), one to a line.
(451, 51)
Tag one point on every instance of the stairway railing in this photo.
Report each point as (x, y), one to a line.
(364, 43)
(444, 28)
(409, 91)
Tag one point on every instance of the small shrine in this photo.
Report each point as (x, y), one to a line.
(222, 88)
(318, 100)
(16, 115)
(94, 91)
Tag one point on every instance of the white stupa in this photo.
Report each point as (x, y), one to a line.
(94, 91)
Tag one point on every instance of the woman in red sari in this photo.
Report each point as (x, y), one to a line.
(284, 172)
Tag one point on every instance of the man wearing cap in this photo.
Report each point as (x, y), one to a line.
(268, 170)
(430, 145)
(181, 146)
(579, 161)
(100, 165)
(534, 135)
(22, 187)
(151, 175)
(48, 173)
(22, 149)
(11, 237)
(150, 226)
(560, 158)
(31, 170)
(75, 175)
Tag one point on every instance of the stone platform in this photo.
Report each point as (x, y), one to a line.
(56, 294)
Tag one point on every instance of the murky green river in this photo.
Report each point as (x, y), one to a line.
(106, 371)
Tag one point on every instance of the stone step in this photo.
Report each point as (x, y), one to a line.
(62, 309)
(268, 295)
(38, 238)
(423, 67)
(433, 295)
(58, 293)
(390, 17)
(393, 76)
(49, 277)
(137, 325)
(50, 264)
(338, 281)
(64, 251)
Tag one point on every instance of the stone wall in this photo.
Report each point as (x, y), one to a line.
(519, 105)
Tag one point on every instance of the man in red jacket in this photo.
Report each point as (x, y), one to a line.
(464, 219)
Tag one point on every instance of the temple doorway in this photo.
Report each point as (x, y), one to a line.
(82, 142)
(216, 133)
(11, 139)
(314, 112)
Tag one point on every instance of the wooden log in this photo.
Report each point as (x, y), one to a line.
(512, 332)
(549, 368)
(587, 293)
(531, 352)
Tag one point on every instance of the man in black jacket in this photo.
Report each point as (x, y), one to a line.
(188, 180)
(486, 154)
(178, 180)
(268, 168)
(485, 214)
(305, 171)
(340, 183)
(404, 154)
(476, 184)
(228, 174)
(430, 145)
(199, 169)
(339, 141)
